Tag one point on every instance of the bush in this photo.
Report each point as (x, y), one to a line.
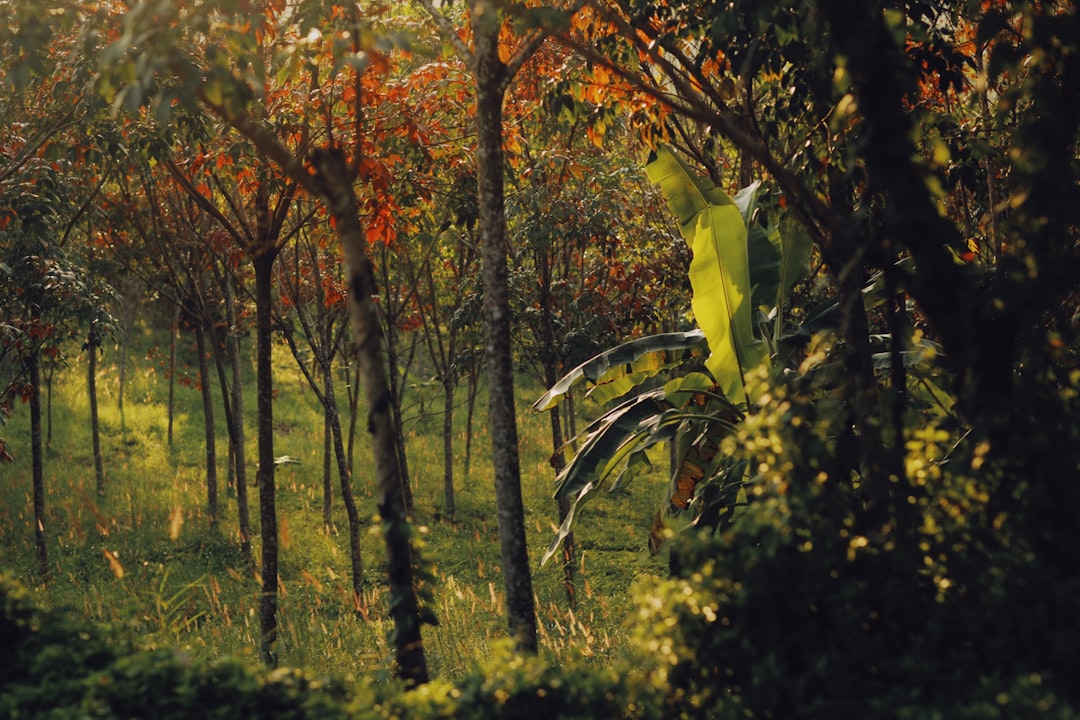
(59, 669)
(46, 655)
(816, 602)
(56, 667)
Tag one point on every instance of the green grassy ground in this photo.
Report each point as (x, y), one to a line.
(145, 558)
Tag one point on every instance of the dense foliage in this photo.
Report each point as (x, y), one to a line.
(872, 399)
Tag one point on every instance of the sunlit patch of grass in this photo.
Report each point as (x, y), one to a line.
(145, 557)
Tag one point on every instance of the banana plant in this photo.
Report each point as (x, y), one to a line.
(740, 271)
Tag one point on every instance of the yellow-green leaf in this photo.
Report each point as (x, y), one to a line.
(719, 272)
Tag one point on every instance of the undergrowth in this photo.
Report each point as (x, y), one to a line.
(144, 556)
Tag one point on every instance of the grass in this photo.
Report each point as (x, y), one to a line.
(144, 556)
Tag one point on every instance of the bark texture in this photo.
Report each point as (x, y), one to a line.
(490, 90)
(93, 342)
(268, 596)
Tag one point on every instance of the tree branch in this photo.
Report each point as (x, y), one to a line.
(447, 30)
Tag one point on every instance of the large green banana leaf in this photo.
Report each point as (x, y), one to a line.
(714, 227)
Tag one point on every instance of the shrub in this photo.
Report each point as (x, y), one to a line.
(46, 655)
(60, 669)
(815, 602)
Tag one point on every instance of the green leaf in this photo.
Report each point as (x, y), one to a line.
(714, 227)
(616, 371)
(617, 443)
(765, 260)
(603, 439)
(796, 247)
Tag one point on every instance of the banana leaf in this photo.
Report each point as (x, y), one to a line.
(616, 371)
(618, 441)
(713, 225)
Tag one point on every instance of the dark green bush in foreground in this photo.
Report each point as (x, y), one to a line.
(53, 667)
(823, 600)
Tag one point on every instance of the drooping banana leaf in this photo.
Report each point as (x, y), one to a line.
(779, 255)
(719, 272)
(796, 247)
(625, 366)
(709, 419)
(604, 437)
(765, 260)
(618, 441)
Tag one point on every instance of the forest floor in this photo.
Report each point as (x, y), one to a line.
(144, 557)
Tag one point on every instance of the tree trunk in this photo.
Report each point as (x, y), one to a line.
(490, 76)
(395, 393)
(328, 448)
(352, 374)
(449, 507)
(48, 405)
(37, 453)
(237, 436)
(551, 369)
(335, 184)
(209, 431)
(93, 341)
(124, 344)
(470, 410)
(333, 427)
(846, 259)
(264, 264)
(172, 372)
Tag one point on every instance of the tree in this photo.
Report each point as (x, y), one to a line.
(493, 71)
(325, 166)
(158, 233)
(46, 294)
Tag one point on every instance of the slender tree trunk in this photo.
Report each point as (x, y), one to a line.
(230, 469)
(124, 344)
(470, 410)
(268, 598)
(209, 431)
(490, 76)
(551, 367)
(232, 401)
(238, 436)
(336, 187)
(93, 341)
(352, 371)
(395, 391)
(449, 509)
(37, 454)
(48, 405)
(328, 448)
(845, 257)
(333, 422)
(571, 418)
(172, 372)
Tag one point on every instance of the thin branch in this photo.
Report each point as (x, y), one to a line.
(449, 32)
(524, 51)
(200, 200)
(269, 144)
